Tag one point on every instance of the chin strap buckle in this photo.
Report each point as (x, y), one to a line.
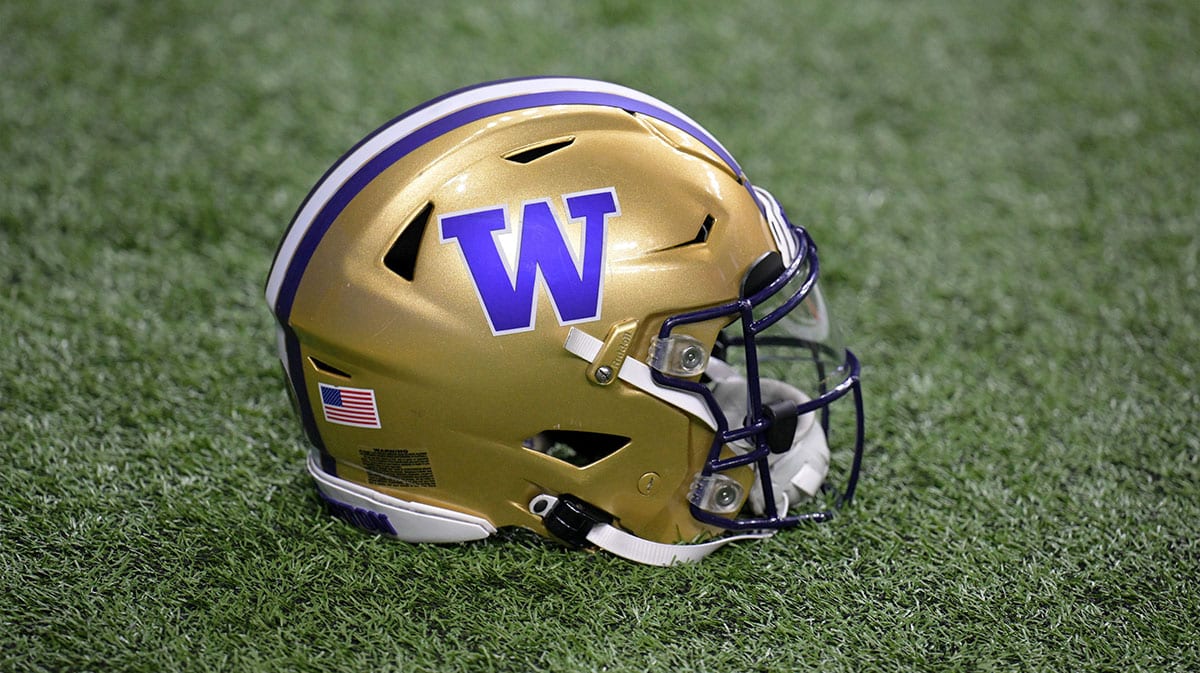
(571, 519)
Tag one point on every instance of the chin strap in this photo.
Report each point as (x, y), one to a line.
(637, 374)
(578, 523)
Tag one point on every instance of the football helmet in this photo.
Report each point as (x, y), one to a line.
(558, 304)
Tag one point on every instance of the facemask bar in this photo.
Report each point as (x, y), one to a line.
(759, 419)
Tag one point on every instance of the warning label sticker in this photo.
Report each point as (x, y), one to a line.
(397, 467)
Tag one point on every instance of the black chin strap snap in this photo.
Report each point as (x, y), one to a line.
(783, 418)
(571, 519)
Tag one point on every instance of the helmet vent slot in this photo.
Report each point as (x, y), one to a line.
(401, 258)
(701, 236)
(326, 368)
(578, 448)
(527, 155)
(705, 229)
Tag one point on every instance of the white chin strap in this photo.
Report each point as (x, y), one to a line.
(633, 548)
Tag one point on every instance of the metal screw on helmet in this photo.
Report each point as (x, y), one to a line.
(691, 357)
(726, 495)
(604, 374)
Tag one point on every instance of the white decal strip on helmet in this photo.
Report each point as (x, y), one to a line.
(780, 230)
(281, 345)
(637, 374)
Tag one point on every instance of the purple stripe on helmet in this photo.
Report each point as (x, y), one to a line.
(438, 127)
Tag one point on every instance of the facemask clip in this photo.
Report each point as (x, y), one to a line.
(716, 493)
(678, 355)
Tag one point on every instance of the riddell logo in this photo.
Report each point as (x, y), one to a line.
(507, 258)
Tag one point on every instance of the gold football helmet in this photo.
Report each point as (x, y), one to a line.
(558, 304)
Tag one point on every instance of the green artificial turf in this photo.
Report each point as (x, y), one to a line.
(1007, 200)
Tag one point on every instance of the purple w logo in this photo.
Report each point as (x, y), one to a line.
(505, 263)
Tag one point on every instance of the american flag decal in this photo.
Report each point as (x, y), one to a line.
(349, 406)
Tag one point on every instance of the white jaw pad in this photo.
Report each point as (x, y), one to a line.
(409, 521)
(798, 472)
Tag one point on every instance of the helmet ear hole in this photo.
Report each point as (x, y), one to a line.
(574, 447)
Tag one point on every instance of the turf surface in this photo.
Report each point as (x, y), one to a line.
(1006, 198)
